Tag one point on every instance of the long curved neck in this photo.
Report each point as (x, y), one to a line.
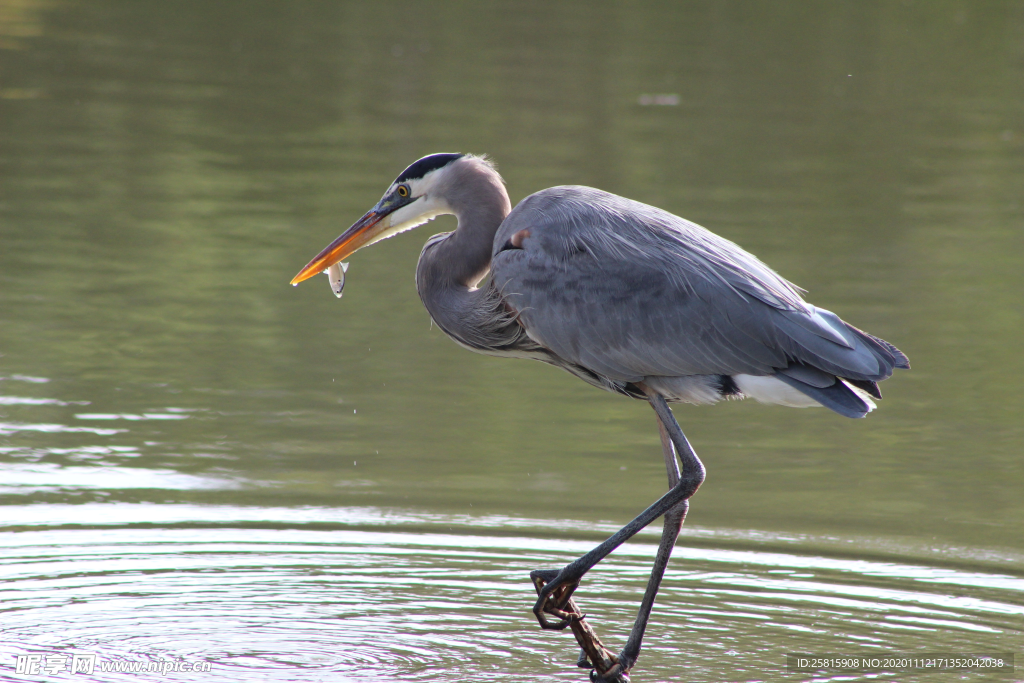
(450, 266)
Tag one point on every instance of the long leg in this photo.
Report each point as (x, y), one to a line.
(554, 595)
(611, 668)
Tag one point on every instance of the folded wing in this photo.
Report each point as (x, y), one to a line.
(628, 291)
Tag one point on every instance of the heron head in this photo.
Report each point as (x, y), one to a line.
(410, 201)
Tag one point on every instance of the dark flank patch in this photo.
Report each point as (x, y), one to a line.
(426, 165)
(727, 386)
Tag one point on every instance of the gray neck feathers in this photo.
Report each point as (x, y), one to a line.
(451, 266)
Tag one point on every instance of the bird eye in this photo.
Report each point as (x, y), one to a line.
(403, 191)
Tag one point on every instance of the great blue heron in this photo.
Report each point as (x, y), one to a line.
(630, 299)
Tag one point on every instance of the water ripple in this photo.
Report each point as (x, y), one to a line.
(8, 428)
(383, 603)
(21, 478)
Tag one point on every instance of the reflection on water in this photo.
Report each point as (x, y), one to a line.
(197, 460)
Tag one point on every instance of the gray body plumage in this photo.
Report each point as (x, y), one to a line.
(619, 292)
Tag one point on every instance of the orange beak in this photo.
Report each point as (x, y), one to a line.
(351, 241)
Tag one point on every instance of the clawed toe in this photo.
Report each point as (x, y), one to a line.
(554, 593)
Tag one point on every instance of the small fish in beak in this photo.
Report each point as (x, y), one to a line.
(336, 274)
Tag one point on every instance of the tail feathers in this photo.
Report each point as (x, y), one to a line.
(822, 380)
(899, 359)
(889, 354)
(837, 397)
(844, 351)
(841, 377)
